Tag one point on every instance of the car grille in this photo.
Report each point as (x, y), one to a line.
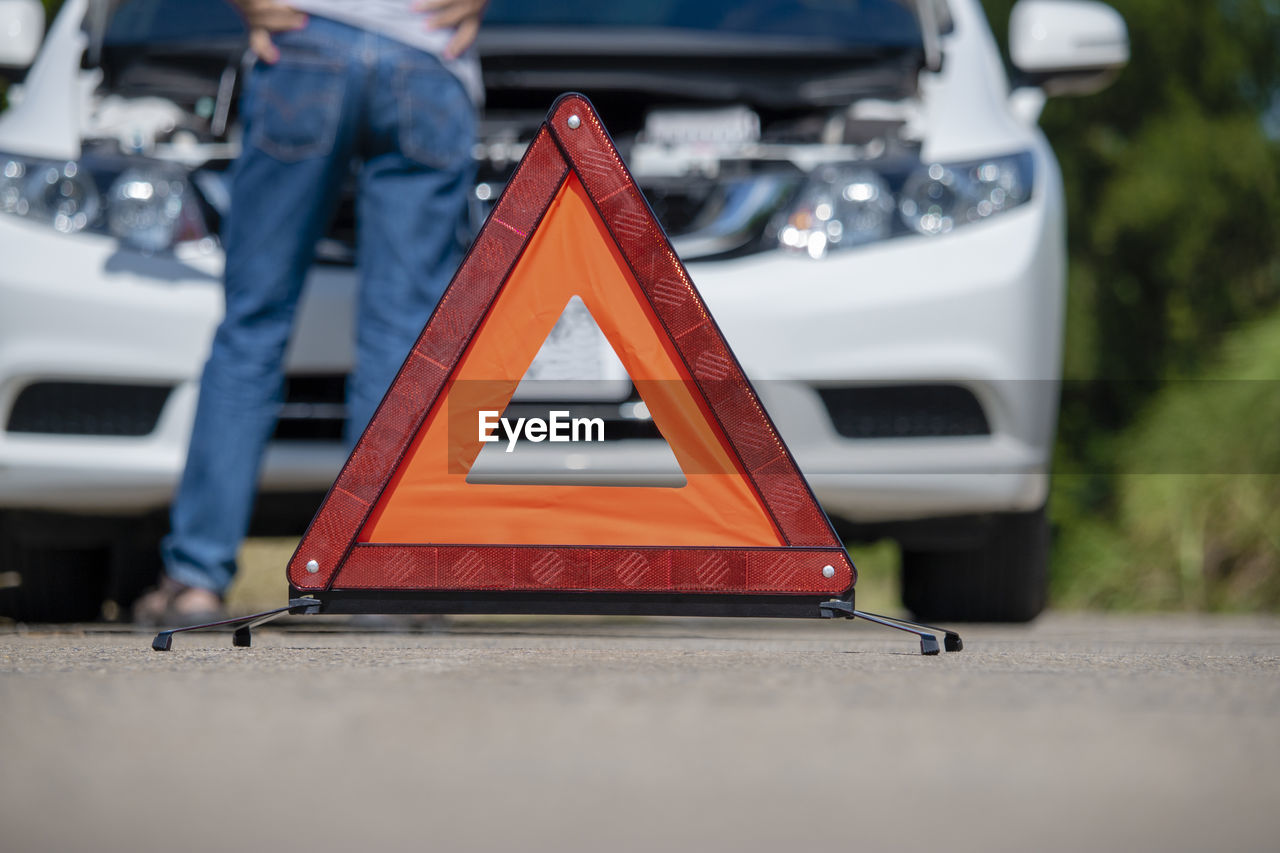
(88, 408)
(314, 409)
(905, 411)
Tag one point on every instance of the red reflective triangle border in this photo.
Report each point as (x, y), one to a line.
(812, 560)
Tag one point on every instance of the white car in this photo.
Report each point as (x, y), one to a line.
(861, 195)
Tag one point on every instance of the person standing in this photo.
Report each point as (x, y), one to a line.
(394, 86)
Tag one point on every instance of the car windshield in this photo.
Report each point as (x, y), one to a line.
(867, 23)
(879, 23)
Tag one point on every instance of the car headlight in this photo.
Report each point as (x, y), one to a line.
(146, 209)
(60, 195)
(843, 206)
(933, 199)
(150, 206)
(13, 174)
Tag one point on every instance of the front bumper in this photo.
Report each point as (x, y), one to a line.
(81, 309)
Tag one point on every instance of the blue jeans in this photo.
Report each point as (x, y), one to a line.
(337, 95)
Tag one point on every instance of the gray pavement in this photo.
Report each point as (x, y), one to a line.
(1080, 732)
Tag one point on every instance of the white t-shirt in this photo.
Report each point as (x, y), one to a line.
(396, 19)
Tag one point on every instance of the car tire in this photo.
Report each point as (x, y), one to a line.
(1004, 579)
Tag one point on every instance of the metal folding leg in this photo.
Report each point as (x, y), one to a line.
(244, 625)
(839, 608)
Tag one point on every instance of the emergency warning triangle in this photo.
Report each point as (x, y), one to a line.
(401, 515)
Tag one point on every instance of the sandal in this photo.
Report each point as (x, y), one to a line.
(174, 603)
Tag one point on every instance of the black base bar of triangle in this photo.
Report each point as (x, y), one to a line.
(353, 602)
(244, 625)
(841, 608)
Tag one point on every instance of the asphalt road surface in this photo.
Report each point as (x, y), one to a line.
(1081, 732)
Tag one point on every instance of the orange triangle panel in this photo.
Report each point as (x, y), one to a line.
(401, 515)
